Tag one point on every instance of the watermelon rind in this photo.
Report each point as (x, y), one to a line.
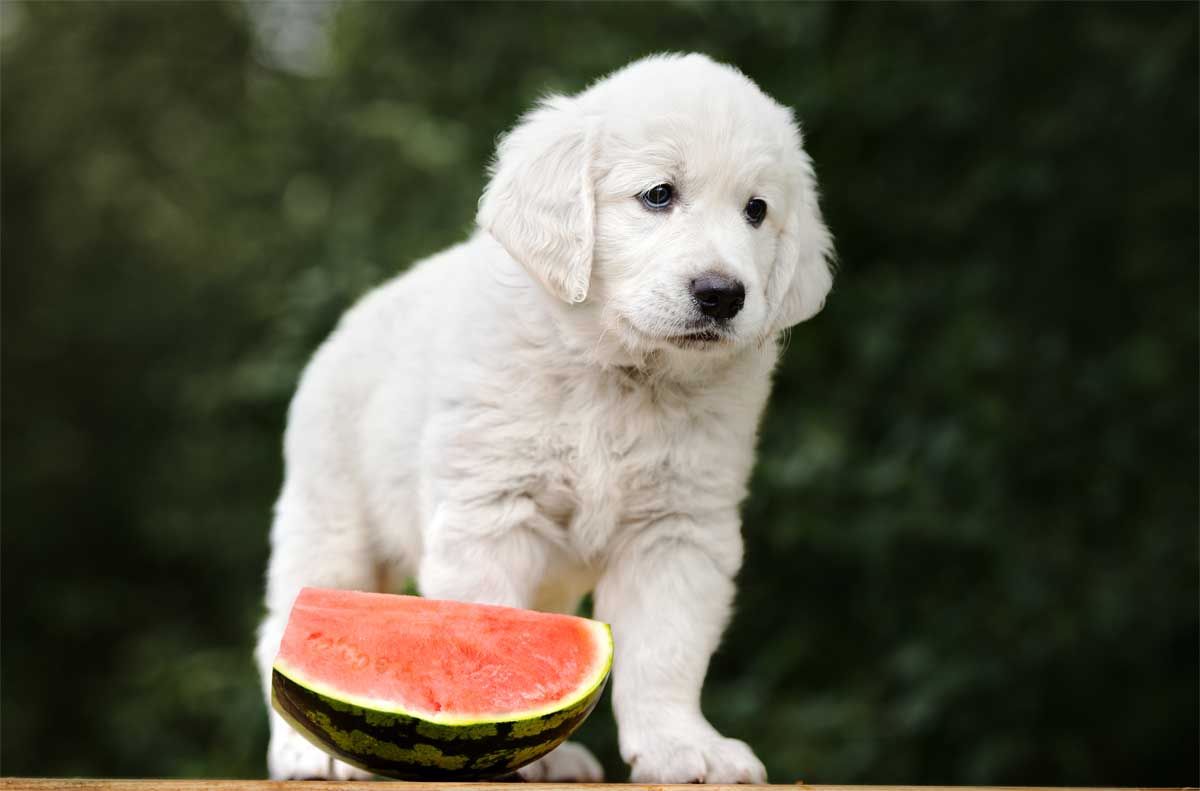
(382, 738)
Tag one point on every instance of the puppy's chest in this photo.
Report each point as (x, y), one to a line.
(616, 459)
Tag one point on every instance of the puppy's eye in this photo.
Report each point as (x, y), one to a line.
(756, 211)
(658, 196)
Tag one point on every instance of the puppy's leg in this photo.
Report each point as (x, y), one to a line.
(494, 556)
(484, 555)
(569, 762)
(668, 597)
(305, 552)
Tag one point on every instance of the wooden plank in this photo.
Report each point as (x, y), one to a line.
(89, 784)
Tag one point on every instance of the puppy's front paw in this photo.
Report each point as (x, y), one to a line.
(291, 757)
(707, 759)
(567, 763)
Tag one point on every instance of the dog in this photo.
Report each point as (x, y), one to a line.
(568, 401)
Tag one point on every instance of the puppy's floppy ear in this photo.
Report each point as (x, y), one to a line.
(539, 203)
(803, 272)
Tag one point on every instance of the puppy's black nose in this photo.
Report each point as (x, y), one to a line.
(719, 297)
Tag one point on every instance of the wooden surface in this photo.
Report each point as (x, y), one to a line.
(84, 784)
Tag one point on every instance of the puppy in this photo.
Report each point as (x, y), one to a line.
(568, 401)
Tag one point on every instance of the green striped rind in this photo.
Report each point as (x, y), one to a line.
(410, 748)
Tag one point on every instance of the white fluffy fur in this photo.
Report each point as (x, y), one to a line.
(512, 422)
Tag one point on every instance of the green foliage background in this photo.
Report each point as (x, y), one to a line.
(973, 531)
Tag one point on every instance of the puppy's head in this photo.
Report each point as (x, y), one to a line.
(671, 203)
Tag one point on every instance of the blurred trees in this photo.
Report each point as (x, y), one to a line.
(972, 538)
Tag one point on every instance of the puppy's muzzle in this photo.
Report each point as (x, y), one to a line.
(719, 297)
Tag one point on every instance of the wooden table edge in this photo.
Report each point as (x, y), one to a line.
(99, 784)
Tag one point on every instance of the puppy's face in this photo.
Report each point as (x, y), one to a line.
(675, 198)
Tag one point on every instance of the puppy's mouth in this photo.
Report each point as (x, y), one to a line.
(697, 340)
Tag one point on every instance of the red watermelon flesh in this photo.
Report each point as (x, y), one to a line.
(444, 662)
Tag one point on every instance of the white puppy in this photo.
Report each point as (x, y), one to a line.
(568, 401)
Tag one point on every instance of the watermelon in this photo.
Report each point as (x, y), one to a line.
(419, 689)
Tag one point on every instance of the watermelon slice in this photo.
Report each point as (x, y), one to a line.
(419, 689)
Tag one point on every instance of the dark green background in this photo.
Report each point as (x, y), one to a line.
(972, 538)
